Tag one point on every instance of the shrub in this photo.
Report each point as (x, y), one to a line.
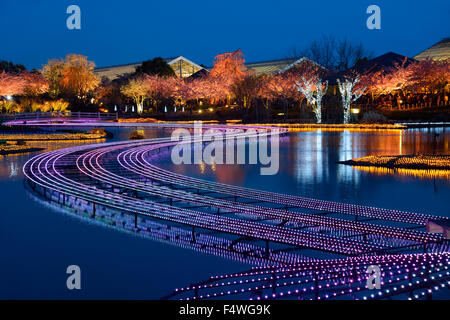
(35, 107)
(136, 135)
(57, 105)
(98, 131)
(18, 108)
(7, 106)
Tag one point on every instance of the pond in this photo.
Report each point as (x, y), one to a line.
(39, 242)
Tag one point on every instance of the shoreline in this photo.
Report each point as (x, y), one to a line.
(423, 162)
(144, 122)
(17, 151)
(34, 137)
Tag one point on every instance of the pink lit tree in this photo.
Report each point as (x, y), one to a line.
(11, 84)
(35, 84)
(228, 69)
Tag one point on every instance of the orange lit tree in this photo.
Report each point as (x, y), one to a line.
(228, 69)
(72, 77)
(78, 77)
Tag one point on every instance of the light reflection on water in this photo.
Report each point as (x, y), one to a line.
(308, 168)
(11, 165)
(41, 243)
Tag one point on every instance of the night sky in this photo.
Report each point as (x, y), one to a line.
(119, 32)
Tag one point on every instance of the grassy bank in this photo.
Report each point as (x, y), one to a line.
(441, 162)
(7, 149)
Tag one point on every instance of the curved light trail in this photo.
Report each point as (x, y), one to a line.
(405, 276)
(123, 176)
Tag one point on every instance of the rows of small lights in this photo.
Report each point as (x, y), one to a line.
(131, 160)
(419, 173)
(280, 295)
(46, 174)
(264, 196)
(42, 170)
(384, 126)
(206, 243)
(346, 277)
(90, 161)
(51, 136)
(408, 162)
(6, 148)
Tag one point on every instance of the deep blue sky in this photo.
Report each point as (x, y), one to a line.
(117, 32)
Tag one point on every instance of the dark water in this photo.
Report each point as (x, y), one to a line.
(308, 168)
(38, 243)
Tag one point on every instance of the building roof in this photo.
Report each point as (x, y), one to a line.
(270, 66)
(190, 68)
(386, 63)
(439, 51)
(443, 222)
(199, 74)
(114, 72)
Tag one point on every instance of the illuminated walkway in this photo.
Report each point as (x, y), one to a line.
(416, 276)
(121, 176)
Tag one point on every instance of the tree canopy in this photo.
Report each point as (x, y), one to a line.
(72, 77)
(9, 67)
(333, 54)
(155, 67)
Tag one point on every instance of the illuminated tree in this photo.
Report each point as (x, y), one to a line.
(78, 77)
(73, 77)
(306, 87)
(229, 65)
(57, 105)
(264, 91)
(11, 84)
(138, 90)
(177, 90)
(429, 76)
(321, 90)
(387, 82)
(53, 73)
(246, 90)
(349, 94)
(314, 90)
(228, 69)
(108, 92)
(281, 87)
(35, 84)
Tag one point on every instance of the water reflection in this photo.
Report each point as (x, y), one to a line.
(308, 167)
(423, 174)
(11, 165)
(208, 242)
(318, 150)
